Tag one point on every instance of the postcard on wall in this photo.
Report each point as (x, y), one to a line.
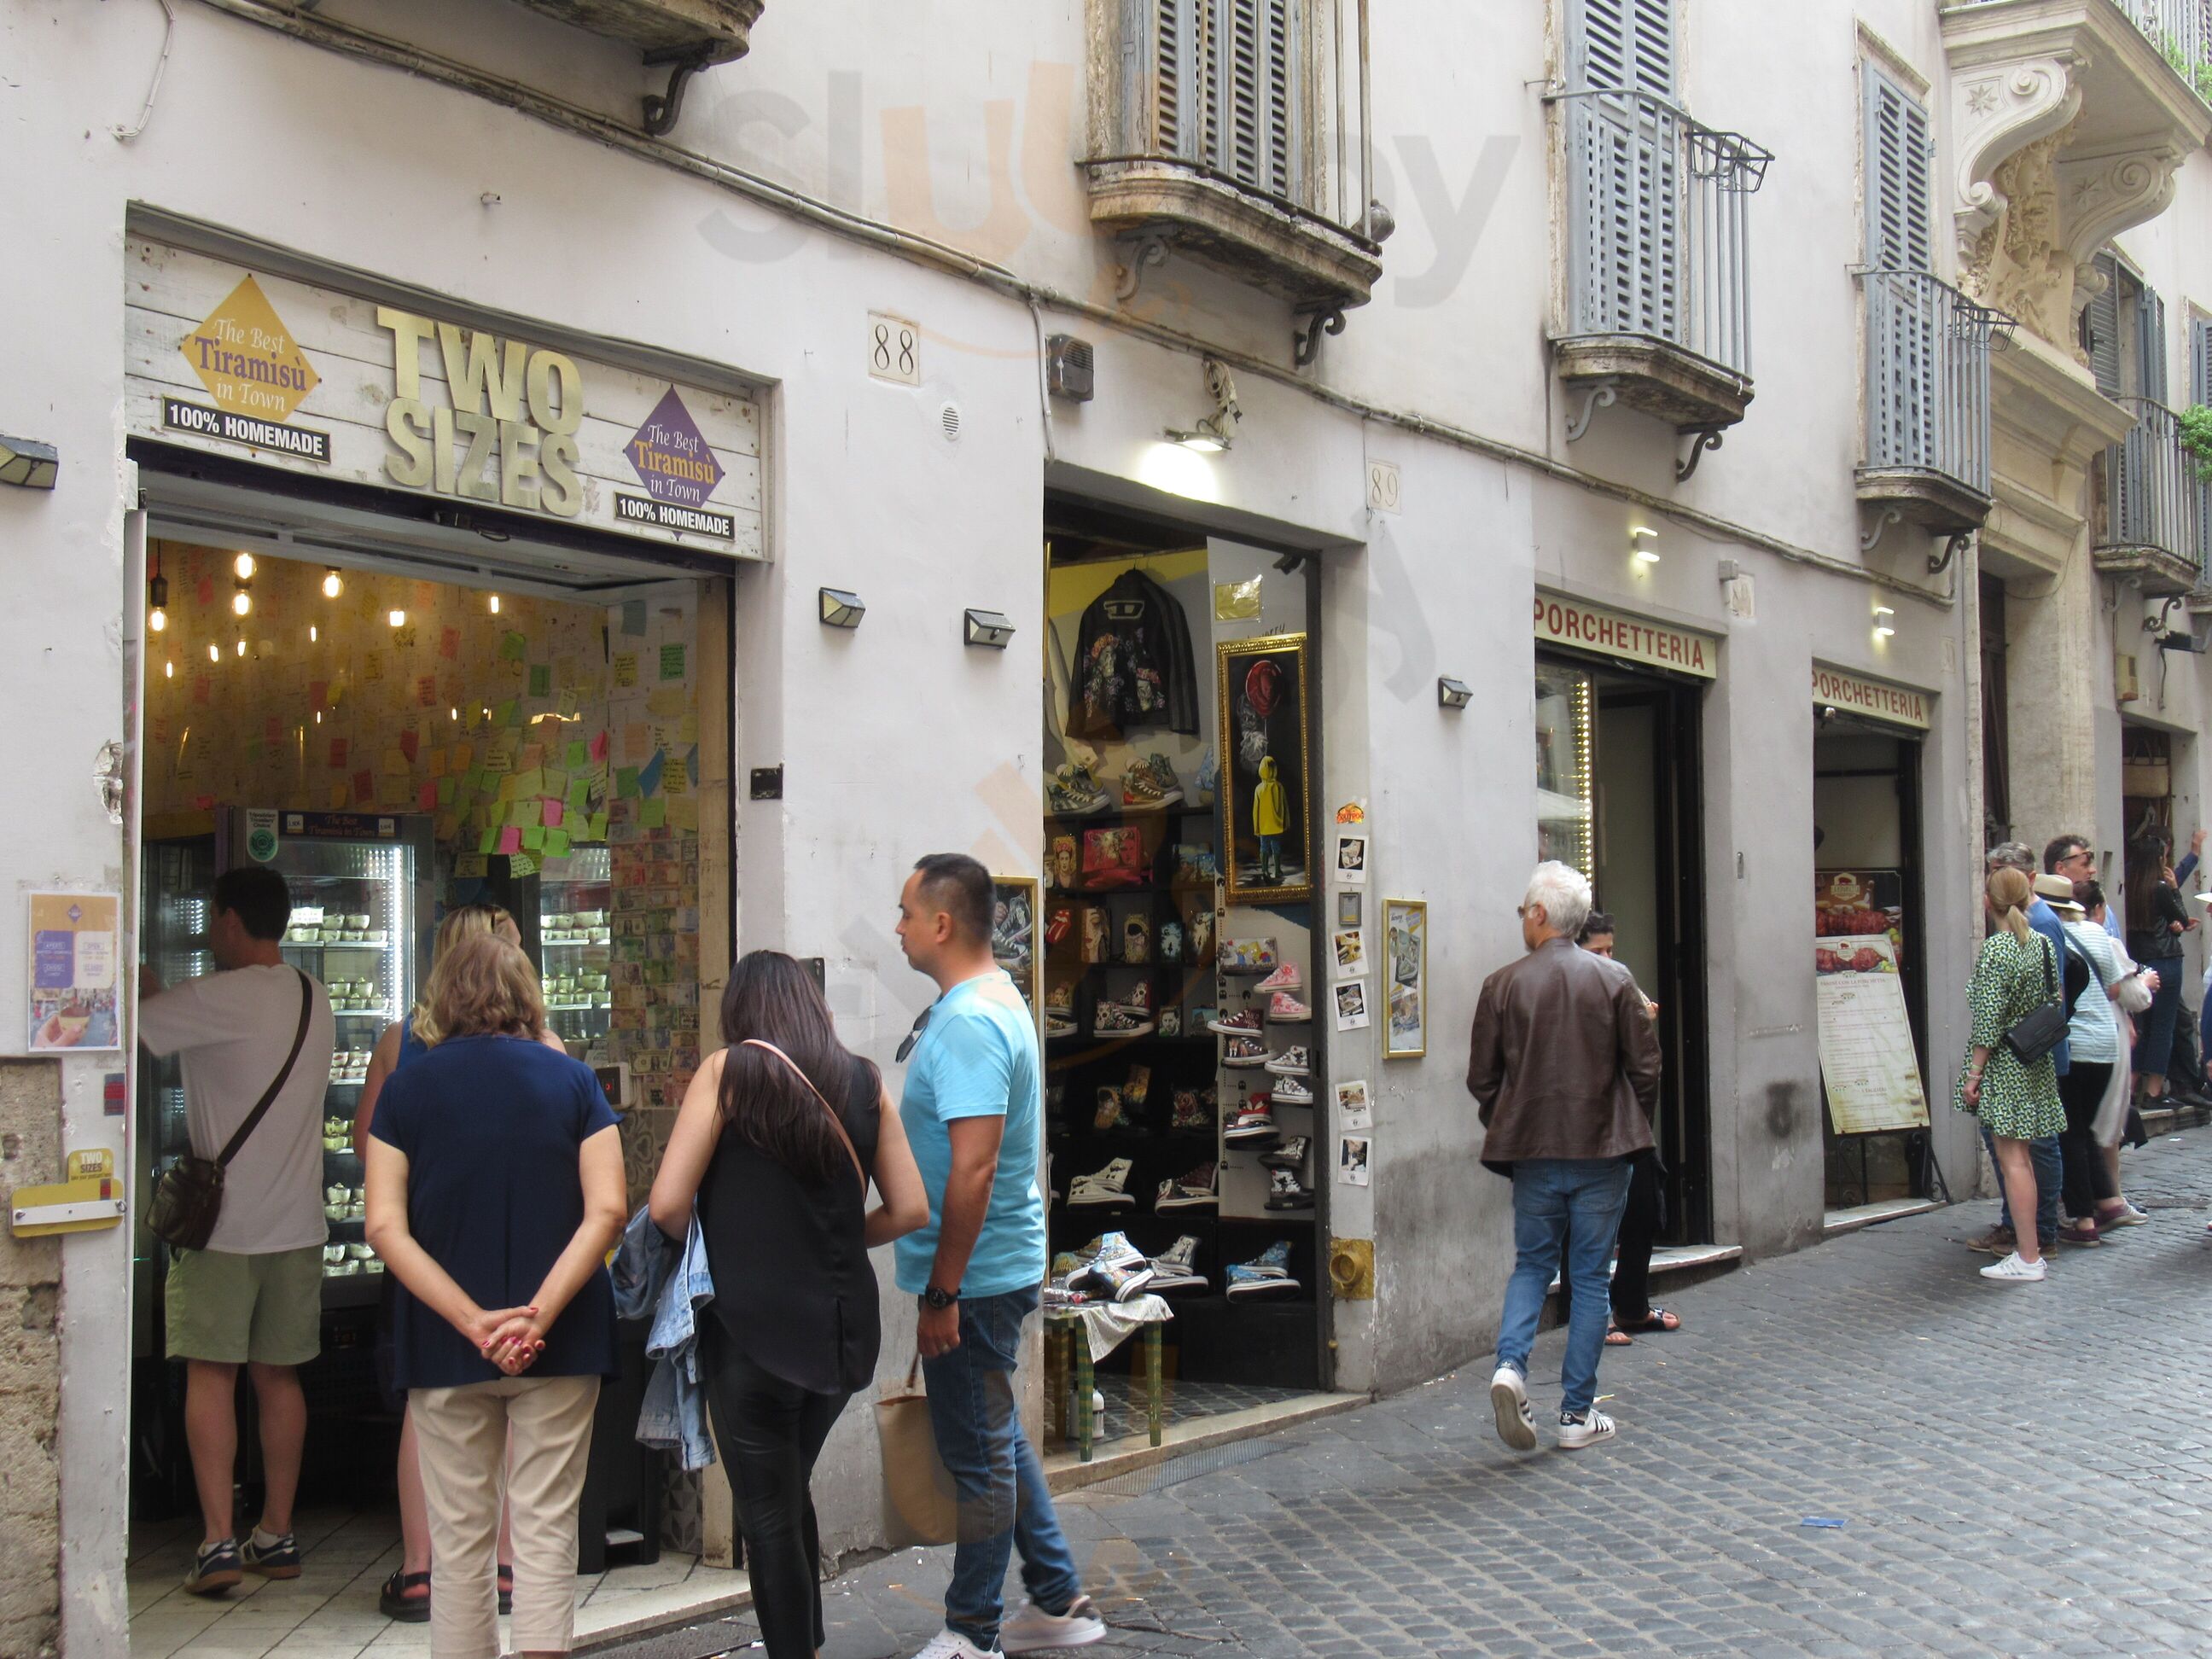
(1349, 868)
(1354, 1153)
(1351, 1013)
(1355, 1107)
(1347, 955)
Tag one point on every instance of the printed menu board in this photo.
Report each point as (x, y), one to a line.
(1869, 1066)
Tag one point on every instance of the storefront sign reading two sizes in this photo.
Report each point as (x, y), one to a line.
(390, 397)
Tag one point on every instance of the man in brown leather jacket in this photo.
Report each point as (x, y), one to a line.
(1565, 1067)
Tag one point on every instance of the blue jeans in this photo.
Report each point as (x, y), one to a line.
(2050, 1179)
(1005, 1503)
(1572, 1203)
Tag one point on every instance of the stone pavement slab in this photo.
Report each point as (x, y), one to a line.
(2019, 1470)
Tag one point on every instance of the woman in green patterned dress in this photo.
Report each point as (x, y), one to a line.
(2016, 1100)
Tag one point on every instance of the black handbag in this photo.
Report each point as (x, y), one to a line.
(188, 1198)
(2034, 1036)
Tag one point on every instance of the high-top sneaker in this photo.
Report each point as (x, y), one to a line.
(1293, 1061)
(1110, 1019)
(1285, 978)
(1194, 1191)
(1291, 1155)
(1118, 1271)
(1243, 1022)
(1289, 1091)
(1175, 1268)
(1287, 1192)
(1105, 1189)
(1139, 999)
(1245, 1051)
(1253, 1126)
(1267, 1273)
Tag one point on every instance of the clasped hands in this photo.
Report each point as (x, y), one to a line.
(511, 1338)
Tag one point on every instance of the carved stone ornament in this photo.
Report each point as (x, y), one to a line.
(1996, 115)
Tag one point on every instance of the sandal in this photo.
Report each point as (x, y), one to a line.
(396, 1604)
(506, 1587)
(1658, 1319)
(1617, 1338)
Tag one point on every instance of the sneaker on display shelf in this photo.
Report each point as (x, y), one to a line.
(1073, 791)
(1109, 1115)
(1140, 997)
(1113, 1021)
(1138, 1085)
(1285, 978)
(1117, 1271)
(1289, 1091)
(1245, 1051)
(1286, 1192)
(1267, 1273)
(1162, 772)
(1057, 1026)
(1140, 790)
(1106, 1188)
(1244, 1023)
(1248, 956)
(1254, 1124)
(1293, 1061)
(1283, 1009)
(1175, 1268)
(1291, 1155)
(1194, 1191)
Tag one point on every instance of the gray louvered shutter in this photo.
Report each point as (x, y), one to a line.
(1897, 183)
(1255, 69)
(1627, 156)
(2150, 344)
(2200, 356)
(2102, 322)
(1182, 78)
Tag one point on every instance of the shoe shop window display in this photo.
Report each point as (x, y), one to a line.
(1179, 1061)
(1562, 1120)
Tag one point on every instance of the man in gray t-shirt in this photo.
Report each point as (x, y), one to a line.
(253, 1298)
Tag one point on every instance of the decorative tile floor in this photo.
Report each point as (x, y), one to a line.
(329, 1611)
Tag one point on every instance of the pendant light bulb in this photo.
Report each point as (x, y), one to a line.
(241, 603)
(242, 566)
(241, 646)
(333, 585)
(169, 669)
(494, 605)
(397, 618)
(157, 619)
(214, 652)
(311, 635)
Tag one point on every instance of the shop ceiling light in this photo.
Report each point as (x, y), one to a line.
(169, 669)
(397, 617)
(494, 605)
(843, 610)
(333, 584)
(1639, 545)
(311, 635)
(242, 566)
(1452, 694)
(214, 652)
(241, 602)
(241, 648)
(27, 464)
(988, 627)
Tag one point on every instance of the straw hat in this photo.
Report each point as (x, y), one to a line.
(2058, 893)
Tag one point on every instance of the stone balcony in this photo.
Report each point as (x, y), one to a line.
(665, 31)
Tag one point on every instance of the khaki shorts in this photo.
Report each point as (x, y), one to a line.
(233, 1309)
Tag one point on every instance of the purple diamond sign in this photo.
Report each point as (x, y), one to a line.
(670, 455)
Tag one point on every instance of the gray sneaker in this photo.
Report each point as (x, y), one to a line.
(215, 1569)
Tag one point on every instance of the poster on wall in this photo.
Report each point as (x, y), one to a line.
(1868, 1067)
(74, 939)
(1861, 903)
(1263, 726)
(1405, 978)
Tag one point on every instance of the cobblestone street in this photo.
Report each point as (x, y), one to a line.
(2017, 1470)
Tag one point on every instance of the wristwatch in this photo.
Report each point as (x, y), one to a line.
(933, 1298)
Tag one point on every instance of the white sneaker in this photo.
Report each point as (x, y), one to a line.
(1032, 1630)
(1105, 1188)
(2013, 1270)
(950, 1644)
(1509, 1399)
(1591, 1427)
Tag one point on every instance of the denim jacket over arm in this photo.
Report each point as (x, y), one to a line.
(653, 1276)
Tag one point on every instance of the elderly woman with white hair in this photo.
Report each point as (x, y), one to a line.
(1565, 1069)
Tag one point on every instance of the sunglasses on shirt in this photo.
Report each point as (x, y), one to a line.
(920, 1025)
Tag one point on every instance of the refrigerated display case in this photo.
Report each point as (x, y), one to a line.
(574, 940)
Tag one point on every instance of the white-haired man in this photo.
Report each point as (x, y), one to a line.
(1565, 1068)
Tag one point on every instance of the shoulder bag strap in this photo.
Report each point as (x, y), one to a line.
(835, 1122)
(269, 1094)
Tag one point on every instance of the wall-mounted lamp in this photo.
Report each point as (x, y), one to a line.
(1639, 545)
(1452, 694)
(1217, 431)
(27, 464)
(843, 610)
(1883, 627)
(986, 628)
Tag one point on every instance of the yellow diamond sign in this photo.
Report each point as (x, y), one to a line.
(247, 359)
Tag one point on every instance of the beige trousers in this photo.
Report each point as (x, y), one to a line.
(464, 1434)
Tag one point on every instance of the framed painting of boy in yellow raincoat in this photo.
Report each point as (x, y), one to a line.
(1266, 841)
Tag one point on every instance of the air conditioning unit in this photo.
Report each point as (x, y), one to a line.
(1067, 368)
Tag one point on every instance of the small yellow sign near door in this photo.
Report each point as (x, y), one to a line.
(247, 359)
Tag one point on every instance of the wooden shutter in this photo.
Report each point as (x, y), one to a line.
(2101, 322)
(1623, 45)
(2200, 361)
(1898, 199)
(2150, 345)
(1255, 78)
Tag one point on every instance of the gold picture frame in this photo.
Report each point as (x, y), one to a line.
(1405, 978)
(1025, 964)
(1254, 872)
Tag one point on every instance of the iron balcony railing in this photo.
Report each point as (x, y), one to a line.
(1927, 376)
(1659, 236)
(2152, 498)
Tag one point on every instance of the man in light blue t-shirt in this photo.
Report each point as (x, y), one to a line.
(975, 1118)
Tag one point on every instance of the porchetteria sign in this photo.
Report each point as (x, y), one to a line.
(1837, 687)
(1633, 639)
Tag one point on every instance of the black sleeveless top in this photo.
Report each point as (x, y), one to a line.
(794, 1288)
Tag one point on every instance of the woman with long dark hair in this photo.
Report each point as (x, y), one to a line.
(2157, 920)
(779, 1137)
